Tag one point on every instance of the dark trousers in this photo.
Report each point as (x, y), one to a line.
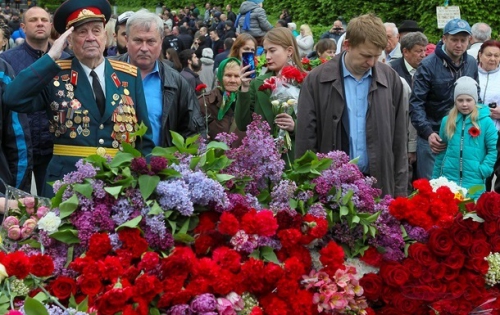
(40, 164)
(496, 171)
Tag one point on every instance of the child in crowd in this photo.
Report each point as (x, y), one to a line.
(471, 138)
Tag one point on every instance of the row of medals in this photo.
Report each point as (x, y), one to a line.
(69, 116)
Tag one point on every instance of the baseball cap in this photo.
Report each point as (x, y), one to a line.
(456, 26)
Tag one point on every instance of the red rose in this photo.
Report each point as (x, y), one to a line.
(405, 305)
(490, 227)
(421, 253)
(41, 265)
(455, 260)
(228, 224)
(17, 264)
(495, 243)
(440, 242)
(479, 249)
(478, 264)
(488, 206)
(415, 269)
(451, 274)
(90, 285)
(437, 270)
(63, 287)
(394, 274)
(99, 245)
(456, 289)
(372, 286)
(461, 236)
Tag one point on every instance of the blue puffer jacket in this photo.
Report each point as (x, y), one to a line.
(468, 160)
(432, 90)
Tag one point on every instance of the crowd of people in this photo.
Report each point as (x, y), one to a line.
(82, 82)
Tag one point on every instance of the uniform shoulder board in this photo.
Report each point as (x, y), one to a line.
(124, 67)
(64, 64)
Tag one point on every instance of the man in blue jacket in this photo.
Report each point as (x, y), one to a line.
(37, 26)
(432, 95)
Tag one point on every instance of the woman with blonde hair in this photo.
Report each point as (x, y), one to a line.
(281, 50)
(305, 40)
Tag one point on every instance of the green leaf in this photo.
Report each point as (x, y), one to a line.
(155, 209)
(114, 191)
(4, 298)
(147, 184)
(343, 211)
(373, 231)
(133, 223)
(184, 227)
(57, 199)
(183, 237)
(355, 219)
(474, 189)
(192, 139)
(347, 197)
(354, 161)
(121, 159)
(34, 307)
(128, 149)
(269, 255)
(84, 189)
(66, 208)
(154, 311)
(255, 254)
(69, 256)
(84, 305)
(293, 203)
(222, 178)
(264, 196)
(177, 140)
(68, 236)
(217, 145)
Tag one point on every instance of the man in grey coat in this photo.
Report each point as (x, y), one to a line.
(172, 103)
(355, 104)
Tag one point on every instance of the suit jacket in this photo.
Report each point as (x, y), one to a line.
(63, 89)
(321, 127)
(399, 66)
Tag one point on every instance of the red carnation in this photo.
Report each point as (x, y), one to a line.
(147, 287)
(63, 287)
(290, 237)
(41, 265)
(207, 222)
(262, 223)
(227, 258)
(203, 243)
(111, 268)
(133, 241)
(200, 87)
(99, 245)
(474, 131)
(372, 257)
(317, 227)
(228, 224)
(113, 301)
(269, 84)
(149, 261)
(17, 264)
(332, 256)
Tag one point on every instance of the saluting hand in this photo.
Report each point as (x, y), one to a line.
(57, 48)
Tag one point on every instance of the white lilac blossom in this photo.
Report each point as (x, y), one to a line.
(49, 223)
(174, 195)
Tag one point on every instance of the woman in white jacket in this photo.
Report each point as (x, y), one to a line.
(305, 40)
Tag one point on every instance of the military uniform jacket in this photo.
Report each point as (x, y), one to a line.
(63, 89)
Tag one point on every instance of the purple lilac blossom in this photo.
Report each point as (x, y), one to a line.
(317, 210)
(182, 309)
(98, 188)
(158, 163)
(204, 190)
(83, 170)
(341, 233)
(227, 138)
(305, 195)
(122, 210)
(174, 194)
(204, 303)
(115, 241)
(281, 195)
(389, 236)
(156, 233)
(257, 157)
(270, 242)
(416, 233)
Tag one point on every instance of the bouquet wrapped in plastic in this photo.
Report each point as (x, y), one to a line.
(284, 99)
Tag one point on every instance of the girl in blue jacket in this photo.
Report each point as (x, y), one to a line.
(471, 138)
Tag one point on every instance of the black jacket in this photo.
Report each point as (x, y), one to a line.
(181, 111)
(399, 66)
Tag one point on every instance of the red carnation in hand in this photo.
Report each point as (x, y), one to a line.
(17, 264)
(474, 131)
(269, 84)
(41, 265)
(200, 87)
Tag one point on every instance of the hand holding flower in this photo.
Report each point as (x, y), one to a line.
(285, 121)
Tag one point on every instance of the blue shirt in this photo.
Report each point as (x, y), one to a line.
(153, 92)
(357, 106)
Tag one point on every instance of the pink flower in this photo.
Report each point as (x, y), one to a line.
(236, 300)
(41, 211)
(225, 307)
(10, 221)
(14, 312)
(26, 232)
(14, 232)
(30, 223)
(29, 202)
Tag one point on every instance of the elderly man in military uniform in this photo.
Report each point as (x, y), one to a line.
(95, 105)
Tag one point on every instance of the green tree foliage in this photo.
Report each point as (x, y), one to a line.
(320, 14)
